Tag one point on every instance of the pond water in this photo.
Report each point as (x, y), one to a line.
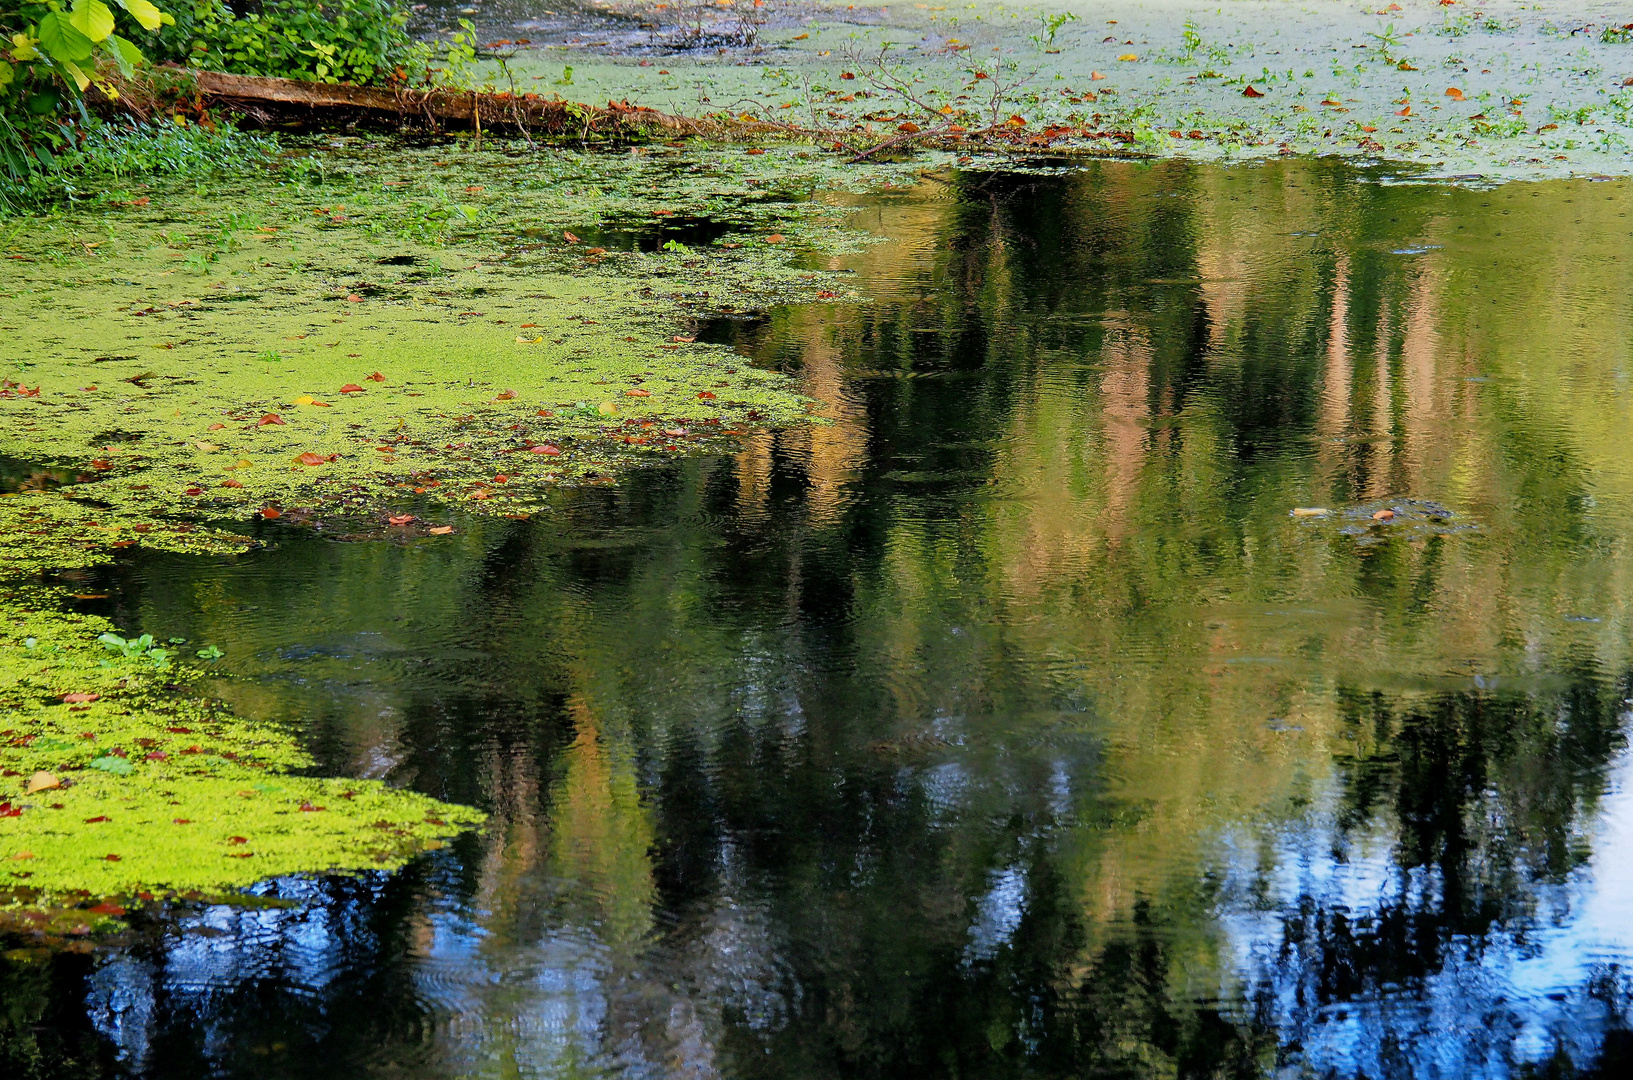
(1012, 723)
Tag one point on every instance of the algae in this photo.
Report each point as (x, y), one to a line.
(119, 779)
(473, 332)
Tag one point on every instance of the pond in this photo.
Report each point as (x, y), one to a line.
(1194, 644)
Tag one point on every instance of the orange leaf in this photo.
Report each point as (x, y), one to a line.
(440, 530)
(754, 150)
(217, 427)
(400, 519)
(271, 512)
(637, 393)
(231, 484)
(377, 377)
(310, 458)
(551, 450)
(1454, 93)
(774, 238)
(1405, 112)
(269, 418)
(351, 388)
(571, 239)
(1250, 92)
(354, 299)
(705, 396)
(79, 699)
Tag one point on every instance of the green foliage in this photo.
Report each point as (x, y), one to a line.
(333, 41)
(49, 56)
(98, 159)
(1617, 35)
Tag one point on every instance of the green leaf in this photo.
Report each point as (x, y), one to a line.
(145, 13)
(116, 765)
(61, 41)
(126, 54)
(93, 19)
(6, 74)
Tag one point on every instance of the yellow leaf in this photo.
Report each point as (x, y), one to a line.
(1128, 56)
(606, 408)
(305, 399)
(145, 13)
(529, 341)
(81, 80)
(23, 48)
(207, 447)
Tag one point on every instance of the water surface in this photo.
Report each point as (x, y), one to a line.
(1010, 723)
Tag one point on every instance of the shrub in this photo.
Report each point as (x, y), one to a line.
(357, 41)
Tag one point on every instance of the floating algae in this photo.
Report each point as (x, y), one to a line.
(115, 780)
(356, 340)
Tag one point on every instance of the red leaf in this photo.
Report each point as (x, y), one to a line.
(310, 458)
(351, 388)
(1250, 92)
(551, 450)
(705, 395)
(377, 377)
(107, 908)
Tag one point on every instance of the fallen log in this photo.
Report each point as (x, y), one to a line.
(272, 102)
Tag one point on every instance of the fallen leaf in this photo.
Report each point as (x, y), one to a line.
(377, 377)
(705, 396)
(1454, 93)
(596, 251)
(80, 699)
(1384, 515)
(1310, 511)
(1250, 92)
(216, 427)
(774, 238)
(269, 418)
(1095, 76)
(637, 393)
(194, 491)
(545, 450)
(351, 388)
(1405, 112)
(106, 908)
(506, 395)
(754, 150)
(22, 856)
(571, 239)
(400, 519)
(1129, 56)
(207, 447)
(231, 484)
(42, 781)
(908, 127)
(683, 339)
(310, 458)
(271, 512)
(440, 530)
(529, 340)
(354, 299)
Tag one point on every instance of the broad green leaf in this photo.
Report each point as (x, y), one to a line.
(61, 41)
(145, 13)
(92, 18)
(126, 53)
(116, 765)
(6, 74)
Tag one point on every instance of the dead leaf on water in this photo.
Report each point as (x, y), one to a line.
(440, 530)
(42, 781)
